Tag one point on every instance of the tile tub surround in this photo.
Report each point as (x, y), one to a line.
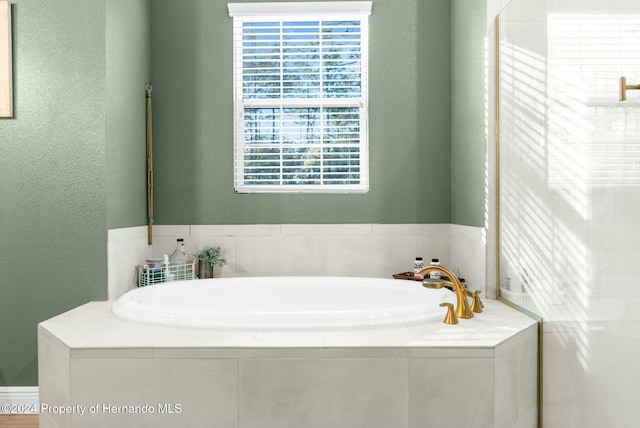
(125, 248)
(481, 373)
(371, 250)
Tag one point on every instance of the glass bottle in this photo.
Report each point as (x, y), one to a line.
(179, 259)
(179, 256)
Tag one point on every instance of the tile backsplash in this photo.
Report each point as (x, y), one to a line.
(369, 250)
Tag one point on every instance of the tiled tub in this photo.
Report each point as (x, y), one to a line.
(111, 372)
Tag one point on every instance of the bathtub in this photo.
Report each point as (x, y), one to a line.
(284, 303)
(377, 375)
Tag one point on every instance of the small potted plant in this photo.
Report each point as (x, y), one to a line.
(208, 259)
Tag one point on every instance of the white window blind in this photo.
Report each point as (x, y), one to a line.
(300, 96)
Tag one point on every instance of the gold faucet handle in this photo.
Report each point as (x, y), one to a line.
(450, 318)
(476, 304)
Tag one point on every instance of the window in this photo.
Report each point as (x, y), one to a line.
(300, 96)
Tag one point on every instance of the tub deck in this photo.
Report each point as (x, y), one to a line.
(481, 372)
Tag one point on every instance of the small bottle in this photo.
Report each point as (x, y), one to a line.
(434, 274)
(168, 276)
(418, 265)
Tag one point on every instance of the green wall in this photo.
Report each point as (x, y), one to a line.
(72, 160)
(128, 71)
(468, 131)
(58, 185)
(410, 121)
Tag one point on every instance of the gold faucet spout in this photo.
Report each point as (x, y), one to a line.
(462, 306)
(436, 283)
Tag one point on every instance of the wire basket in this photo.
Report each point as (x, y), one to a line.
(155, 275)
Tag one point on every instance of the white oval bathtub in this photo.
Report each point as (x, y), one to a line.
(284, 303)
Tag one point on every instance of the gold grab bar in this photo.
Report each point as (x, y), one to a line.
(148, 88)
(624, 88)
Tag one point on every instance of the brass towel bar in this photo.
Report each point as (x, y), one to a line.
(624, 88)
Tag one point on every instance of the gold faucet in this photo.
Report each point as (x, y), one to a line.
(462, 306)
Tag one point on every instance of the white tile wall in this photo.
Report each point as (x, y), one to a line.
(589, 295)
(328, 249)
(125, 248)
(370, 250)
(468, 256)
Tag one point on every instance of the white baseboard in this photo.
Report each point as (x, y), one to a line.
(18, 399)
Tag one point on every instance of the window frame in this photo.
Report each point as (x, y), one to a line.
(291, 12)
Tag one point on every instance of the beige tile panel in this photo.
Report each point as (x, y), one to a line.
(200, 392)
(452, 392)
(310, 393)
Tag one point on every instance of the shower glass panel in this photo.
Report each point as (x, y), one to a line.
(569, 156)
(569, 199)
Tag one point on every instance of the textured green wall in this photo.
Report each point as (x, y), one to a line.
(128, 71)
(72, 160)
(54, 168)
(410, 121)
(468, 131)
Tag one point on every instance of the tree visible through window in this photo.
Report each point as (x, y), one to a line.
(300, 85)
